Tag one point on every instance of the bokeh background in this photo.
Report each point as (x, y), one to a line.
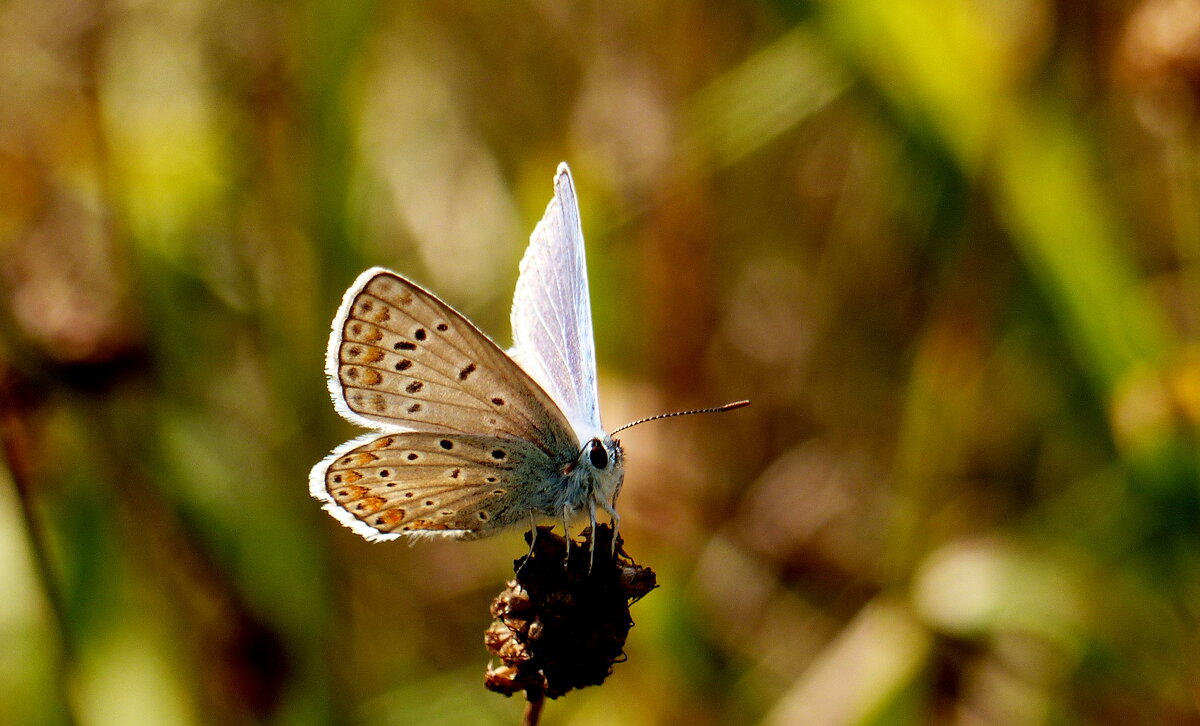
(949, 248)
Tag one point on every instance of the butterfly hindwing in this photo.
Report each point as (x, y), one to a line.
(551, 313)
(400, 358)
(418, 483)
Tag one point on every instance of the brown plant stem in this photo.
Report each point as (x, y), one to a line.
(533, 708)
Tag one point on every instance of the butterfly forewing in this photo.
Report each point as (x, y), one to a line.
(403, 359)
(551, 313)
(414, 483)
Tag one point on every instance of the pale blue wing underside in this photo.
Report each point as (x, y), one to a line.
(552, 316)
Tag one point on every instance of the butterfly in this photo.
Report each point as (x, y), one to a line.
(468, 439)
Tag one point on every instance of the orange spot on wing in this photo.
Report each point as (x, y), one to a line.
(372, 377)
(383, 443)
(427, 525)
(389, 518)
(370, 505)
(349, 493)
(373, 355)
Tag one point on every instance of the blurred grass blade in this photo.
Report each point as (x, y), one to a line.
(1064, 229)
(770, 92)
(865, 675)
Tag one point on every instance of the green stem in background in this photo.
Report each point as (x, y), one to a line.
(17, 442)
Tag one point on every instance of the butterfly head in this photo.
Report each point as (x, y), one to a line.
(603, 458)
(596, 472)
(606, 461)
(597, 454)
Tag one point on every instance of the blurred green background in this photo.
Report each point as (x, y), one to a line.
(951, 250)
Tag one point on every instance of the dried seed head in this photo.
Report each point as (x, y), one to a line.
(558, 628)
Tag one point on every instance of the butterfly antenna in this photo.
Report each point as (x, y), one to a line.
(718, 409)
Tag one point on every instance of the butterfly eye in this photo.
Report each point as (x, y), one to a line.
(597, 454)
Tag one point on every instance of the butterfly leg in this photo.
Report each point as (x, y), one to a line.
(592, 549)
(533, 533)
(567, 533)
(611, 508)
(616, 520)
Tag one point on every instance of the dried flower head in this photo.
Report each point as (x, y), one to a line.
(562, 623)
